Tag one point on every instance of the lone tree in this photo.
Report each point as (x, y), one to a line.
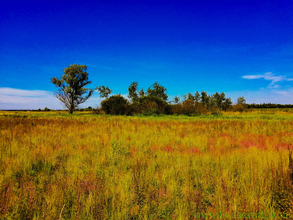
(72, 86)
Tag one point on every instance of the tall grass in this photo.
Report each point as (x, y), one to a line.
(90, 167)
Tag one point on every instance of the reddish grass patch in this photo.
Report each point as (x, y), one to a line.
(193, 150)
(169, 149)
(284, 146)
(250, 143)
(225, 135)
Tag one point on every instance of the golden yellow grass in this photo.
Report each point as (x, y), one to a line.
(100, 167)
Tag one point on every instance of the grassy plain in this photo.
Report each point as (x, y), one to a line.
(85, 166)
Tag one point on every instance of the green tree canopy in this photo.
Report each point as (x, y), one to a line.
(190, 96)
(205, 98)
(176, 99)
(227, 103)
(72, 86)
(141, 93)
(219, 99)
(197, 97)
(104, 91)
(156, 90)
(241, 100)
(132, 92)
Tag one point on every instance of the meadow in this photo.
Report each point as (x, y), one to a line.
(85, 166)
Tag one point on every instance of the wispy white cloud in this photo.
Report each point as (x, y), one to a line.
(267, 95)
(270, 77)
(12, 98)
(23, 93)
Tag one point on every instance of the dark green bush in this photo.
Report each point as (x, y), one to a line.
(115, 105)
(153, 105)
(190, 107)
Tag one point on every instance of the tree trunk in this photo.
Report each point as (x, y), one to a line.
(71, 104)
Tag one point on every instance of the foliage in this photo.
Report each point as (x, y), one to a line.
(89, 108)
(196, 97)
(241, 100)
(177, 109)
(98, 111)
(115, 105)
(153, 105)
(104, 91)
(227, 104)
(190, 96)
(202, 104)
(239, 108)
(269, 105)
(205, 99)
(219, 99)
(154, 101)
(241, 104)
(176, 99)
(46, 109)
(132, 91)
(156, 90)
(141, 93)
(72, 86)
(190, 107)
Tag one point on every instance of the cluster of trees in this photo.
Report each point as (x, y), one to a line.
(154, 101)
(46, 109)
(269, 105)
(72, 93)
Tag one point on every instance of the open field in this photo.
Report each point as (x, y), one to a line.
(85, 166)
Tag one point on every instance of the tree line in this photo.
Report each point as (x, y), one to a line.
(72, 93)
(269, 105)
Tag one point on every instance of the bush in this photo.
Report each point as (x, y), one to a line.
(134, 108)
(98, 111)
(239, 108)
(215, 111)
(115, 105)
(177, 109)
(190, 107)
(153, 105)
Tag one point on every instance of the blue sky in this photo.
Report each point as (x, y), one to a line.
(240, 47)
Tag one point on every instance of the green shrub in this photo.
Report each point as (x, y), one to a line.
(98, 111)
(215, 111)
(115, 105)
(153, 105)
(190, 107)
(134, 109)
(239, 108)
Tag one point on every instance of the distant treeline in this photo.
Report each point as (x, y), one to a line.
(269, 105)
(154, 101)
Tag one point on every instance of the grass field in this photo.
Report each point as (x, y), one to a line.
(85, 166)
